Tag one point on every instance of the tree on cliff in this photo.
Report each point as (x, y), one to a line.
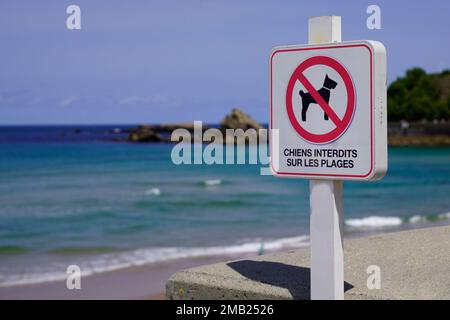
(419, 95)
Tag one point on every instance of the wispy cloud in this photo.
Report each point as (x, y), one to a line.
(155, 100)
(5, 99)
(66, 102)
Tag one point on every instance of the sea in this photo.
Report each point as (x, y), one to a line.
(83, 195)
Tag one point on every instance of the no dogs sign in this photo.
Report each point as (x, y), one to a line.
(328, 111)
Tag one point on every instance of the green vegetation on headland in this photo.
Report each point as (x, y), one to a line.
(419, 109)
(420, 96)
(418, 114)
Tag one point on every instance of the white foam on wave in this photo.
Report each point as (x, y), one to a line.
(444, 215)
(139, 257)
(213, 182)
(416, 219)
(153, 192)
(419, 218)
(374, 222)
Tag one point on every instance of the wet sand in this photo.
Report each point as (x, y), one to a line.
(144, 282)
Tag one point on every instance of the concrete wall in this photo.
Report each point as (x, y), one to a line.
(414, 265)
(420, 128)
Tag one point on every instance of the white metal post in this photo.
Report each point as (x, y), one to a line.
(326, 217)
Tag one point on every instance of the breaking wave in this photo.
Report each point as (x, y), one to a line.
(139, 257)
(153, 192)
(213, 182)
(376, 222)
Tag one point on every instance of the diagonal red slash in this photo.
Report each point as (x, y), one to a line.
(326, 108)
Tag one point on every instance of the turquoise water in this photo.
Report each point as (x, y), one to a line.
(103, 205)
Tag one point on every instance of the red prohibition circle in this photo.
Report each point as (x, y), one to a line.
(343, 123)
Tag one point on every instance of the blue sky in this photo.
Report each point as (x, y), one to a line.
(166, 61)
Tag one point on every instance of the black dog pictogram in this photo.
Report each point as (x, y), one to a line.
(307, 99)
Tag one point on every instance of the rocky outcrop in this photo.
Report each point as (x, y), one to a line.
(169, 127)
(235, 120)
(239, 120)
(144, 133)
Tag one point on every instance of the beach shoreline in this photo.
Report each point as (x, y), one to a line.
(146, 282)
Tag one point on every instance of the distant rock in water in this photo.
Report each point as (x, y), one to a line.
(144, 133)
(168, 127)
(235, 120)
(239, 120)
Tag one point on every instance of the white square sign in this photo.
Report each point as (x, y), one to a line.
(328, 111)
